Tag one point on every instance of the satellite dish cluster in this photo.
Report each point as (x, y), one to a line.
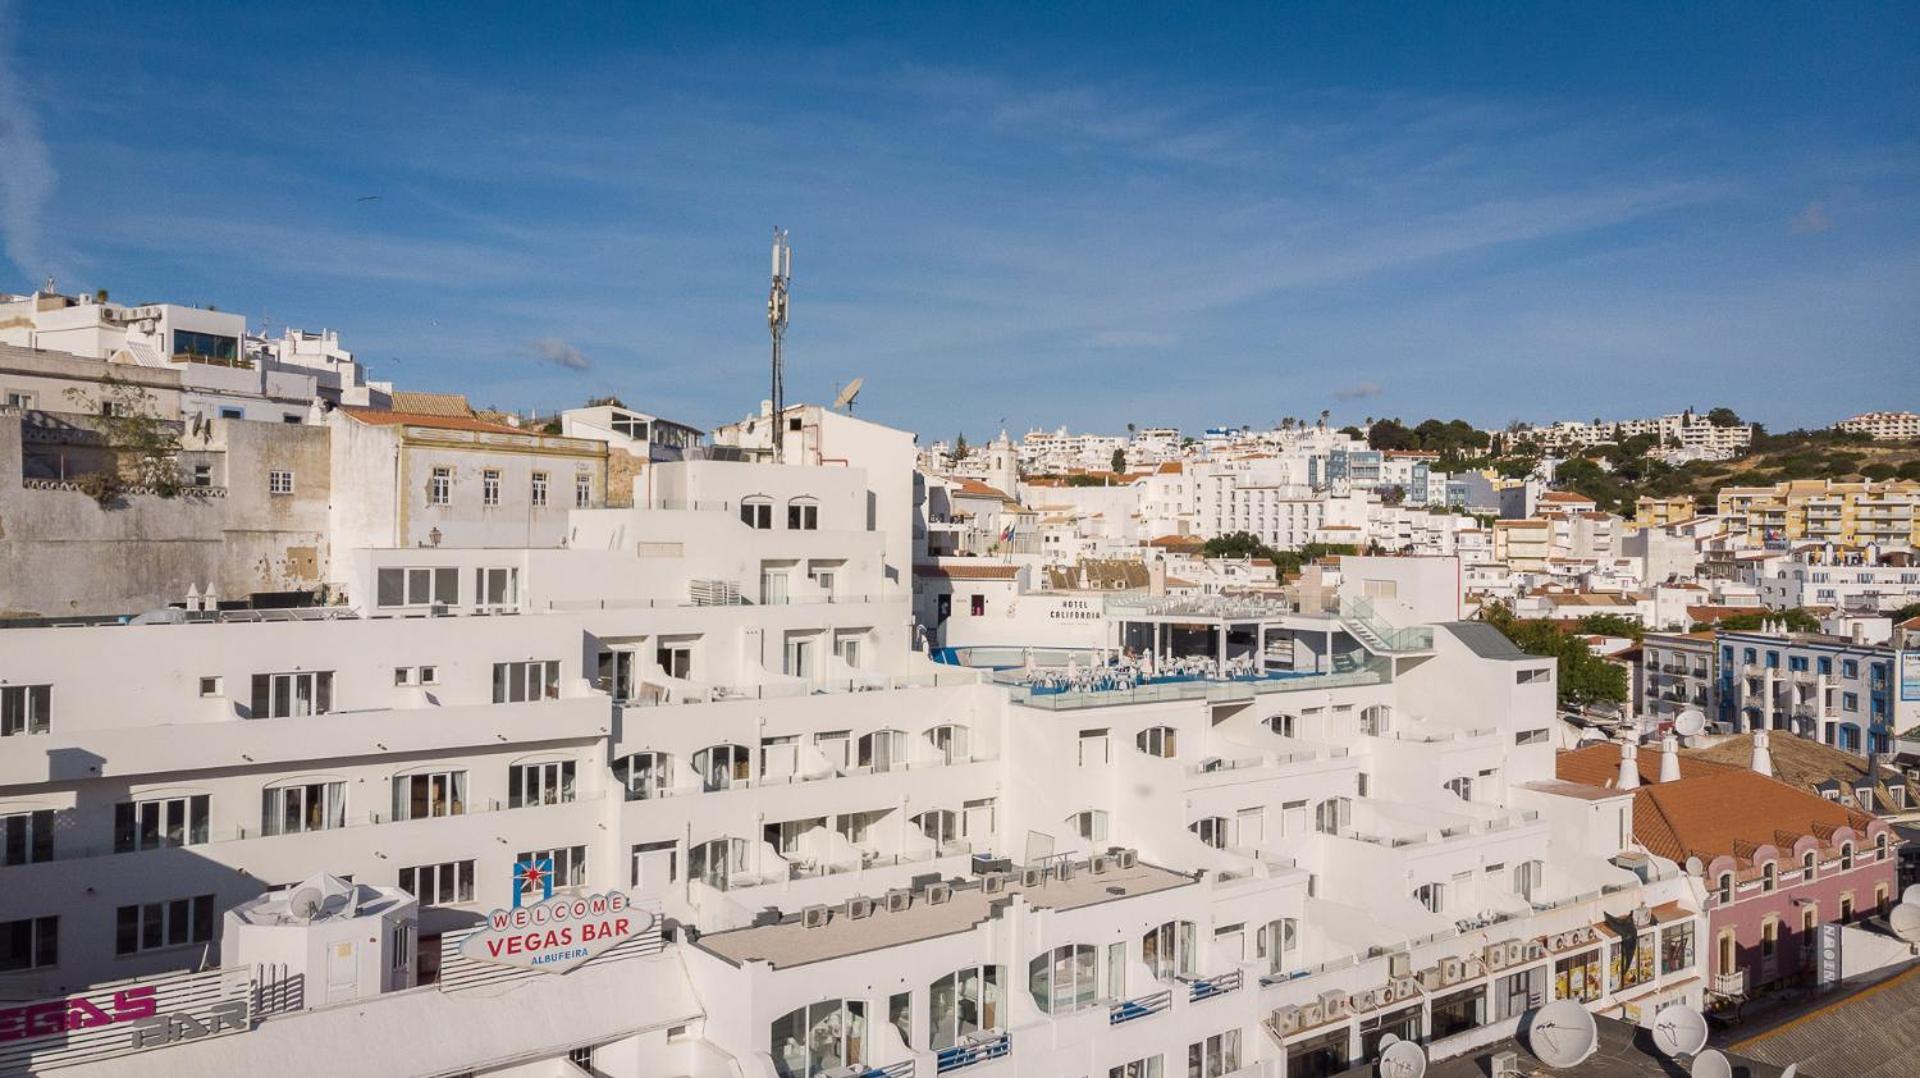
(1564, 1034)
(1904, 920)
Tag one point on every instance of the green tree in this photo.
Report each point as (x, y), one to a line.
(960, 449)
(145, 447)
(1583, 678)
(1119, 459)
(1723, 417)
(1612, 625)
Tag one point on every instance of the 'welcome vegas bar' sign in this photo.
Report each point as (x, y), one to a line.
(557, 933)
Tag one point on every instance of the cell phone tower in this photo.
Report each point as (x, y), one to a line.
(777, 326)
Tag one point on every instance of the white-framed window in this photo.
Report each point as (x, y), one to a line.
(1376, 721)
(1215, 1057)
(549, 783)
(1274, 943)
(644, 775)
(1168, 950)
(440, 486)
(1433, 896)
(1531, 737)
(285, 696)
(396, 586)
(1150, 1067)
(496, 586)
(1333, 815)
(582, 490)
(539, 492)
(211, 687)
(883, 750)
(490, 486)
(803, 515)
(444, 884)
(1090, 824)
(154, 925)
(26, 837)
(569, 867)
(1213, 830)
(963, 1003)
(302, 807)
(279, 482)
(157, 822)
(1094, 749)
(430, 794)
(951, 741)
(25, 709)
(940, 825)
(830, 1036)
(757, 513)
(1161, 741)
(519, 682)
(723, 766)
(33, 943)
(1064, 980)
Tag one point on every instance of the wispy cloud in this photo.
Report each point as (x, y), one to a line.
(1812, 219)
(26, 169)
(1358, 391)
(1134, 338)
(561, 354)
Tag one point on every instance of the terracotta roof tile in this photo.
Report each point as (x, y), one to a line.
(374, 417)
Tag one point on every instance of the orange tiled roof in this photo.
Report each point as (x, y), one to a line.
(375, 417)
(968, 572)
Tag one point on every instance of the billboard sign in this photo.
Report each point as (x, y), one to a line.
(557, 933)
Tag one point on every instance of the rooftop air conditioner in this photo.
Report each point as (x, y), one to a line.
(1505, 1064)
(1406, 987)
(993, 883)
(1286, 1020)
(1451, 970)
(1100, 865)
(1311, 1015)
(1517, 952)
(1496, 955)
(859, 906)
(1399, 965)
(1431, 978)
(1033, 876)
(898, 900)
(1335, 1004)
(939, 893)
(814, 917)
(1125, 859)
(1065, 870)
(1535, 951)
(1368, 1000)
(1559, 941)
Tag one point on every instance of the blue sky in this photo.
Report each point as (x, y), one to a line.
(1092, 215)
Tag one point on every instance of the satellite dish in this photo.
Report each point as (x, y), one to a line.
(306, 903)
(844, 402)
(1695, 867)
(1388, 1040)
(1679, 1031)
(1904, 921)
(1402, 1059)
(1690, 723)
(1563, 1034)
(1911, 895)
(1710, 1064)
(1792, 1069)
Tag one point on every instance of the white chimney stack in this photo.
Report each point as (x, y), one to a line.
(1762, 759)
(1629, 766)
(1669, 758)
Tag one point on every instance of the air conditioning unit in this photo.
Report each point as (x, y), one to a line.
(1311, 1015)
(993, 883)
(1405, 987)
(1430, 978)
(939, 893)
(1496, 956)
(1033, 876)
(1100, 865)
(1505, 1065)
(1473, 966)
(1368, 1000)
(1286, 1020)
(1517, 952)
(1535, 951)
(1399, 965)
(1335, 1004)
(814, 916)
(1560, 941)
(1125, 859)
(1452, 971)
(1389, 994)
(859, 906)
(898, 900)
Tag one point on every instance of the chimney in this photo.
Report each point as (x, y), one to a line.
(1669, 758)
(1762, 759)
(1629, 766)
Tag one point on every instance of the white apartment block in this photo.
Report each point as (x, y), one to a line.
(839, 856)
(1821, 576)
(1681, 430)
(1884, 426)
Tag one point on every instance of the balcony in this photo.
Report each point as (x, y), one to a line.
(1729, 984)
(1142, 1007)
(1209, 987)
(979, 1048)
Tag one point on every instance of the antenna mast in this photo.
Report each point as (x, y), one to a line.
(777, 327)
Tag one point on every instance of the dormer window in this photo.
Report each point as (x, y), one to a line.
(803, 515)
(1808, 864)
(1724, 893)
(1769, 875)
(1846, 857)
(757, 513)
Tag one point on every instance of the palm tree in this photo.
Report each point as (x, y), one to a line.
(1324, 414)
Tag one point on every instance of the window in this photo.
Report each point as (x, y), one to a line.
(233, 413)
(1332, 816)
(1462, 787)
(165, 821)
(540, 784)
(539, 493)
(1533, 676)
(1158, 741)
(209, 687)
(1578, 977)
(582, 490)
(292, 417)
(490, 487)
(155, 925)
(1063, 980)
(1274, 943)
(723, 766)
(416, 675)
(757, 513)
(803, 515)
(29, 944)
(26, 837)
(675, 660)
(203, 477)
(1093, 747)
(494, 587)
(569, 868)
(1376, 721)
(22, 401)
(1850, 701)
(278, 482)
(1808, 864)
(309, 806)
(416, 586)
(644, 775)
(1723, 893)
(1880, 845)
(424, 796)
(824, 1037)
(1169, 950)
(1531, 737)
(1676, 947)
(977, 606)
(714, 863)
(1432, 895)
(1090, 825)
(1149, 1067)
(25, 709)
(883, 750)
(1846, 908)
(439, 885)
(518, 682)
(1215, 1057)
(950, 741)
(440, 487)
(1769, 936)
(1850, 668)
(1464, 1010)
(284, 696)
(1212, 831)
(1846, 857)
(941, 826)
(1769, 876)
(1639, 971)
(963, 1003)
(630, 426)
(204, 347)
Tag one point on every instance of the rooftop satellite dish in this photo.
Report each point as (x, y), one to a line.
(1710, 1064)
(1911, 895)
(848, 393)
(1563, 1034)
(1679, 1031)
(1402, 1059)
(306, 903)
(1792, 1069)
(1690, 723)
(1695, 867)
(1904, 921)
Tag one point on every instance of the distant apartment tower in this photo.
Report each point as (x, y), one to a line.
(1883, 426)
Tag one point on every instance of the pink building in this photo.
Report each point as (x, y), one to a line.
(1776, 861)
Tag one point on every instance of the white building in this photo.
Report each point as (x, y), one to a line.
(1884, 426)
